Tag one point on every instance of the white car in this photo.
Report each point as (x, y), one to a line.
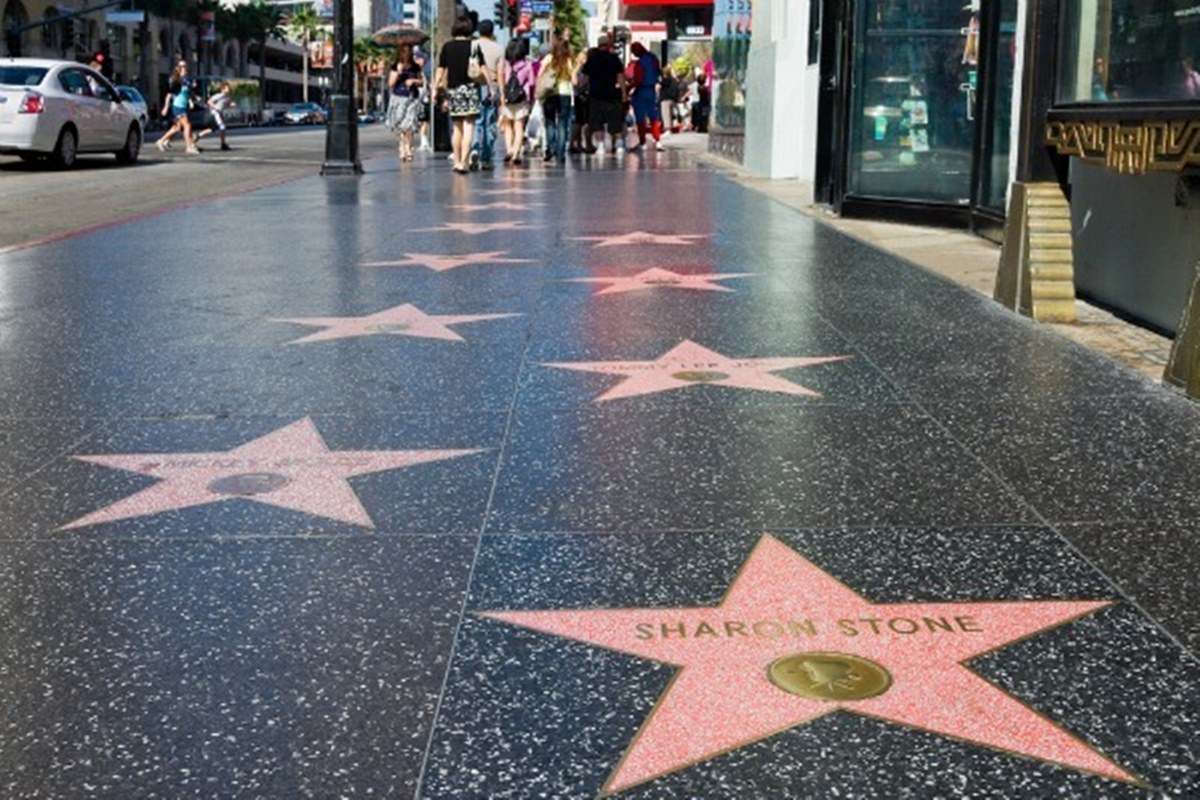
(59, 109)
(137, 104)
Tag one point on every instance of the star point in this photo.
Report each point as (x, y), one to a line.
(401, 320)
(474, 228)
(290, 467)
(642, 238)
(659, 278)
(689, 364)
(439, 262)
(782, 608)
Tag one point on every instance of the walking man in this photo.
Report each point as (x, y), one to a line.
(606, 94)
(483, 150)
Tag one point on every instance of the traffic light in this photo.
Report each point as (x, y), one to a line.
(498, 12)
(12, 42)
(512, 15)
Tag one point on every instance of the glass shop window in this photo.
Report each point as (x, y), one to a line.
(1129, 50)
(915, 66)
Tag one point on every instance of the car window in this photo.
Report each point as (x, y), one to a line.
(74, 82)
(22, 76)
(100, 87)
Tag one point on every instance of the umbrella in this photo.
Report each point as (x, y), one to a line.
(395, 35)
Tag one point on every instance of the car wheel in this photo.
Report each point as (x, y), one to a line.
(65, 149)
(133, 146)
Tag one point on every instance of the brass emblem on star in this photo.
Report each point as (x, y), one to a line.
(835, 677)
(699, 376)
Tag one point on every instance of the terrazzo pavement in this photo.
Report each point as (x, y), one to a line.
(243, 647)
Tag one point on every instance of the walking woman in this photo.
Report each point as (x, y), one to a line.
(516, 82)
(175, 104)
(461, 94)
(558, 81)
(404, 107)
(669, 90)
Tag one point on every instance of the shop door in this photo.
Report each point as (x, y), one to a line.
(923, 105)
(998, 60)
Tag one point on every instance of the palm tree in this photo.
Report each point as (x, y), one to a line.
(304, 25)
(266, 23)
(244, 25)
(367, 57)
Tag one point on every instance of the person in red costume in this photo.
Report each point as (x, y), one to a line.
(646, 75)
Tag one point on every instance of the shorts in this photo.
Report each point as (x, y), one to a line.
(176, 113)
(606, 115)
(514, 111)
(213, 120)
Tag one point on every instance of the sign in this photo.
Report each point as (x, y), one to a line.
(118, 17)
(542, 7)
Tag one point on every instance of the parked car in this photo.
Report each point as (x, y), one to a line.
(304, 114)
(59, 109)
(133, 98)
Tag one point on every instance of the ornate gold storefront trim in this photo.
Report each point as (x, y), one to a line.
(1129, 148)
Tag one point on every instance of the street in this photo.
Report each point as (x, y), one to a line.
(99, 191)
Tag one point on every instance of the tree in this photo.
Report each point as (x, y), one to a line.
(571, 20)
(266, 23)
(304, 25)
(367, 58)
(244, 25)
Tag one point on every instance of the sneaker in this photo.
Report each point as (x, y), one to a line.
(192, 151)
(226, 147)
(659, 145)
(473, 161)
(161, 145)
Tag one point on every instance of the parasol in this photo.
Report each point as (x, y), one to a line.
(395, 35)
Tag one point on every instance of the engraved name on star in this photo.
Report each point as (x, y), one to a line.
(475, 228)
(642, 237)
(659, 278)
(439, 262)
(402, 320)
(290, 468)
(689, 364)
(904, 663)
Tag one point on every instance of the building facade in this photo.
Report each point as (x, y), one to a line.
(932, 112)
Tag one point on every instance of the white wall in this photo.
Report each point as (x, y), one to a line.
(781, 93)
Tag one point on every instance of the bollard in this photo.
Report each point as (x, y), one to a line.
(341, 141)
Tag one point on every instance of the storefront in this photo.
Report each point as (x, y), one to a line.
(915, 108)
(1125, 111)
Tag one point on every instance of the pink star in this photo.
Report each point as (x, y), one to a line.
(476, 228)
(441, 263)
(641, 237)
(500, 206)
(289, 468)
(656, 277)
(723, 695)
(688, 364)
(512, 191)
(403, 320)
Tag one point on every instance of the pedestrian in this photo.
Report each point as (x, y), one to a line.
(405, 81)
(483, 148)
(606, 94)
(647, 73)
(557, 91)
(175, 105)
(214, 120)
(516, 80)
(424, 61)
(668, 96)
(454, 87)
(581, 135)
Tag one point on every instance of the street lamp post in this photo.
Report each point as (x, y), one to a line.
(341, 132)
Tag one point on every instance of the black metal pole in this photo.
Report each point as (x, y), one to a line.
(341, 131)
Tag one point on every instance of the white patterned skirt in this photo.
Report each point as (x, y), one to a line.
(464, 100)
(404, 114)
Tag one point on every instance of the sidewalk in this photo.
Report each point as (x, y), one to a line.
(621, 479)
(961, 257)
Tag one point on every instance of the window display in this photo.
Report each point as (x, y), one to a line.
(913, 106)
(1130, 50)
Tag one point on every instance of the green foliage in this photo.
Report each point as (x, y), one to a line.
(569, 16)
(304, 24)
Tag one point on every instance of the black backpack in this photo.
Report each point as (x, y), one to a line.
(514, 90)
